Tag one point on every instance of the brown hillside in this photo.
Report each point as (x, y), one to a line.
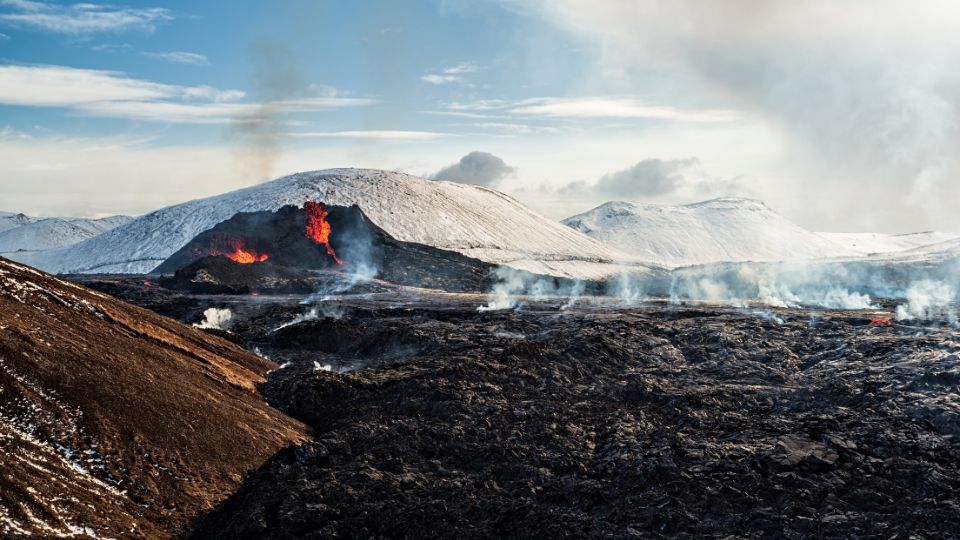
(118, 422)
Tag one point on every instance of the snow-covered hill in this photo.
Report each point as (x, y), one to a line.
(38, 234)
(869, 243)
(472, 220)
(726, 229)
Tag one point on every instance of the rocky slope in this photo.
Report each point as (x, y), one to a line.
(116, 422)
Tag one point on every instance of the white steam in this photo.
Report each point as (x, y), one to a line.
(928, 299)
(215, 318)
(513, 284)
(504, 295)
(627, 288)
(323, 310)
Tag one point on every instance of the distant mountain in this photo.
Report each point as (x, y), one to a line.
(473, 220)
(726, 229)
(38, 234)
(116, 422)
(10, 220)
(870, 243)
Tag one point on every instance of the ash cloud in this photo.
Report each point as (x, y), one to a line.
(479, 168)
(259, 135)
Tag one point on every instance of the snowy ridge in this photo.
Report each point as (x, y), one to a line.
(10, 220)
(472, 220)
(870, 243)
(726, 229)
(36, 234)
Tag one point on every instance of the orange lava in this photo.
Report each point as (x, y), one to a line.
(318, 229)
(879, 321)
(244, 256)
(241, 254)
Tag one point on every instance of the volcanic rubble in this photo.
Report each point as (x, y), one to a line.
(653, 421)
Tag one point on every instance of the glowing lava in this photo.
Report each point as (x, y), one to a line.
(318, 229)
(241, 254)
(879, 321)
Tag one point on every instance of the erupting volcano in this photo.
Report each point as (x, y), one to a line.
(318, 228)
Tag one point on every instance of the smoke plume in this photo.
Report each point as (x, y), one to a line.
(258, 134)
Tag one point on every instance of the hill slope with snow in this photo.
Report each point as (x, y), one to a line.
(472, 220)
(717, 230)
(36, 234)
(10, 220)
(870, 243)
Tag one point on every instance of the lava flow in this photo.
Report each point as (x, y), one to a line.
(241, 254)
(318, 229)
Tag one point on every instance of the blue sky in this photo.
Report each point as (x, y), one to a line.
(833, 113)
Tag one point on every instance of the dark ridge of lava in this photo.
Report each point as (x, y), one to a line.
(117, 422)
(650, 422)
(364, 247)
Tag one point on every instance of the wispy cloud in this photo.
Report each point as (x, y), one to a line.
(510, 128)
(9, 133)
(114, 95)
(601, 107)
(452, 74)
(80, 18)
(4, 37)
(180, 57)
(375, 134)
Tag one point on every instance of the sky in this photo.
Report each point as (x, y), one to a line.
(841, 115)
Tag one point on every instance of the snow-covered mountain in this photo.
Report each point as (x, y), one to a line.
(38, 234)
(726, 229)
(10, 220)
(472, 220)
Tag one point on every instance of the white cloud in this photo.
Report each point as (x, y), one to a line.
(4, 37)
(113, 95)
(599, 107)
(461, 68)
(81, 18)
(452, 74)
(375, 134)
(513, 128)
(439, 79)
(65, 86)
(180, 57)
(8, 133)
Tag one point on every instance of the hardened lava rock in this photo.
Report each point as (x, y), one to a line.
(652, 422)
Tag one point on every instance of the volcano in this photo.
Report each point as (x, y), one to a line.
(284, 251)
(472, 220)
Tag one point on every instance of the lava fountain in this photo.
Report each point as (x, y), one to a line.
(318, 228)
